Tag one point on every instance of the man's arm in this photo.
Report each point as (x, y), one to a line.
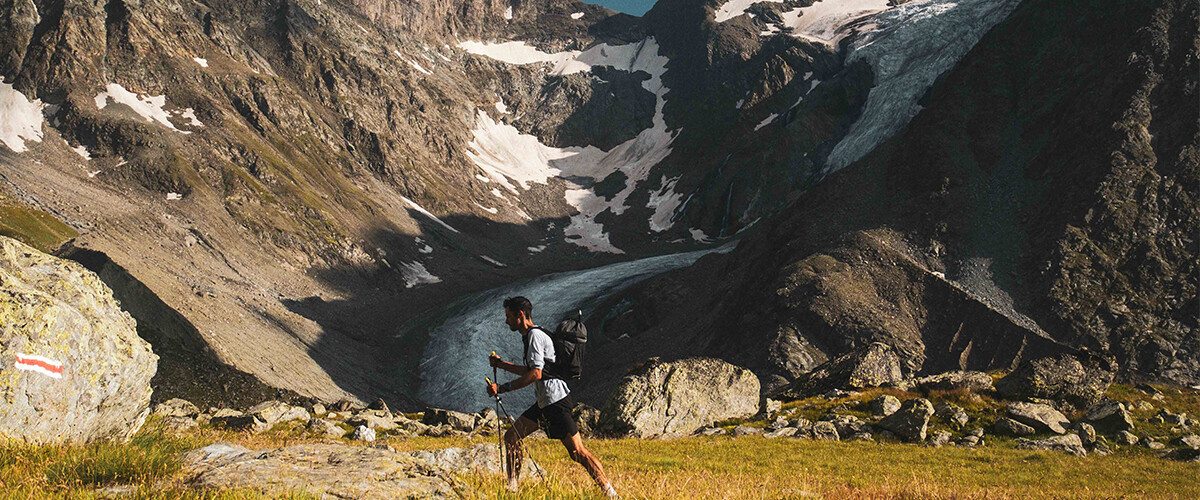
(517, 370)
(530, 375)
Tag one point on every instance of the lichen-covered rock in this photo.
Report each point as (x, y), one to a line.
(322, 470)
(1041, 417)
(676, 398)
(911, 420)
(176, 408)
(480, 458)
(457, 420)
(825, 431)
(1109, 416)
(325, 428)
(72, 367)
(1064, 379)
(885, 405)
(951, 414)
(1005, 426)
(950, 381)
(274, 412)
(873, 365)
(1066, 443)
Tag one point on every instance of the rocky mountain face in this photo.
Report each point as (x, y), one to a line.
(1043, 202)
(272, 188)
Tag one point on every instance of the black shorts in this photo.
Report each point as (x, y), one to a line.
(555, 418)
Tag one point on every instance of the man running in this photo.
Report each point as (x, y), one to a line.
(553, 406)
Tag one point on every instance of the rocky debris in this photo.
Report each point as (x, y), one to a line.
(1066, 443)
(72, 366)
(1109, 416)
(318, 409)
(950, 381)
(825, 431)
(1171, 418)
(910, 421)
(325, 428)
(884, 405)
(746, 430)
(177, 425)
(873, 365)
(372, 419)
(456, 420)
(379, 405)
(1040, 416)
(938, 439)
(323, 470)
(1127, 438)
(1086, 432)
(951, 414)
(846, 424)
(344, 405)
(275, 412)
(1151, 443)
(1005, 426)
(176, 408)
(240, 422)
(970, 441)
(860, 436)
(1064, 379)
(779, 423)
(782, 432)
(675, 398)
(480, 458)
(488, 420)
(363, 433)
(771, 407)
(1100, 448)
(1191, 441)
(711, 431)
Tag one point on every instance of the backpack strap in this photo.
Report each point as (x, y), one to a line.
(528, 341)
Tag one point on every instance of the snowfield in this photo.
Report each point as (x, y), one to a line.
(20, 118)
(149, 107)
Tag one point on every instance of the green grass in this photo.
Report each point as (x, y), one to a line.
(33, 227)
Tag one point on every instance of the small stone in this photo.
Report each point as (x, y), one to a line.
(712, 431)
(977, 432)
(1008, 427)
(176, 408)
(825, 431)
(1109, 416)
(969, 441)
(1041, 417)
(177, 424)
(1126, 438)
(860, 436)
(1144, 406)
(1172, 418)
(325, 428)
(363, 433)
(884, 405)
(938, 439)
(1148, 442)
(274, 412)
(782, 432)
(745, 430)
(800, 422)
(1087, 433)
(1189, 441)
(1066, 443)
(911, 420)
(318, 409)
(951, 414)
(1100, 448)
(771, 406)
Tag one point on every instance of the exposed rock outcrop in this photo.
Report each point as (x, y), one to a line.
(1109, 416)
(910, 421)
(1042, 418)
(873, 365)
(72, 367)
(660, 399)
(1064, 379)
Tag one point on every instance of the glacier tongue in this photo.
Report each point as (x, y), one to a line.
(909, 47)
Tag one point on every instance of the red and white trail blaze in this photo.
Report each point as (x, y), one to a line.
(45, 366)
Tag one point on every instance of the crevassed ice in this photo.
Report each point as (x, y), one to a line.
(734, 8)
(148, 107)
(665, 203)
(823, 21)
(503, 153)
(20, 118)
(909, 46)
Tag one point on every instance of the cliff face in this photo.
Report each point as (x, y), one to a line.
(1044, 200)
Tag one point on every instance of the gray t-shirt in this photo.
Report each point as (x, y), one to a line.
(541, 352)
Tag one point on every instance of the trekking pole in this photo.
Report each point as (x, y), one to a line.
(520, 442)
(499, 435)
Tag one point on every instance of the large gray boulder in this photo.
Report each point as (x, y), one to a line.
(951, 381)
(873, 365)
(664, 399)
(1109, 416)
(72, 367)
(1070, 382)
(322, 470)
(1043, 418)
(910, 421)
(1005, 426)
(1067, 443)
(481, 458)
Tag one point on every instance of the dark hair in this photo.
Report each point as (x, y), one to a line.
(519, 304)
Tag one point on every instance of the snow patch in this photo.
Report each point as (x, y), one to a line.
(740, 103)
(419, 68)
(699, 235)
(665, 203)
(504, 153)
(201, 61)
(426, 213)
(508, 13)
(766, 121)
(148, 107)
(537, 249)
(82, 152)
(424, 248)
(501, 107)
(415, 274)
(823, 21)
(174, 196)
(496, 192)
(577, 15)
(22, 118)
(492, 261)
(735, 8)
(492, 211)
(190, 115)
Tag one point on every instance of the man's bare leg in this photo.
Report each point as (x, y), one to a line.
(580, 453)
(512, 442)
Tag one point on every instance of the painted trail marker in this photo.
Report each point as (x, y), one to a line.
(45, 366)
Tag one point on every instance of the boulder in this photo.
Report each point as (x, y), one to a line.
(771, 406)
(320, 470)
(1191, 441)
(950, 381)
(587, 418)
(910, 421)
(846, 424)
(455, 419)
(176, 408)
(1151, 443)
(675, 398)
(372, 420)
(938, 439)
(325, 428)
(1064, 379)
(1172, 418)
(782, 432)
(825, 431)
(1005, 426)
(318, 409)
(177, 425)
(1041, 417)
(970, 441)
(1127, 438)
(1100, 449)
(1087, 433)
(951, 414)
(1066, 443)
(483, 458)
(860, 436)
(873, 365)
(274, 412)
(1108, 416)
(746, 430)
(72, 367)
(885, 405)
(363, 433)
(241, 422)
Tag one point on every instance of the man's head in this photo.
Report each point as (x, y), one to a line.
(518, 313)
